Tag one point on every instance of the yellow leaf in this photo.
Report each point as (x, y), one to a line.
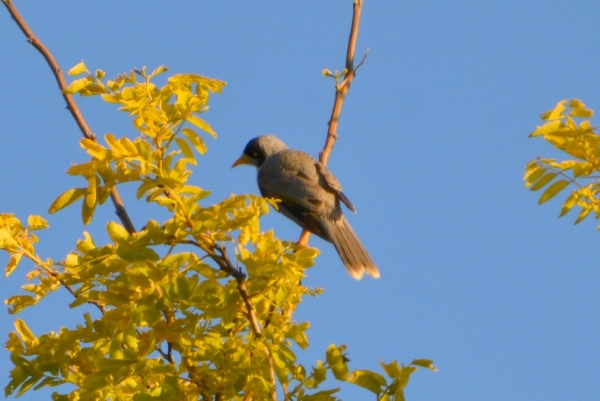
(78, 69)
(532, 174)
(93, 148)
(23, 330)
(569, 203)
(583, 214)
(195, 140)
(110, 98)
(203, 125)
(186, 150)
(90, 197)
(547, 128)
(12, 263)
(579, 109)
(66, 199)
(211, 84)
(87, 212)
(117, 232)
(37, 223)
(159, 70)
(555, 113)
(114, 144)
(93, 89)
(553, 190)
(566, 165)
(543, 181)
(78, 85)
(129, 146)
(583, 168)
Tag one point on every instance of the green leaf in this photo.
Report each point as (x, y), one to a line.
(424, 363)
(138, 254)
(391, 369)
(186, 150)
(543, 181)
(298, 334)
(112, 364)
(66, 199)
(372, 381)
(78, 69)
(117, 232)
(323, 395)
(553, 190)
(337, 362)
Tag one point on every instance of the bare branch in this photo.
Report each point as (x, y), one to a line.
(71, 105)
(341, 90)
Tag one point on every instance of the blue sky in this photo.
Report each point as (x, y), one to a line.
(501, 294)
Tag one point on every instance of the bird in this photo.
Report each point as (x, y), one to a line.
(309, 195)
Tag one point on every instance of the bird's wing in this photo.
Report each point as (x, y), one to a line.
(292, 177)
(332, 182)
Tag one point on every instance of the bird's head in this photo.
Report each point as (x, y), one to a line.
(258, 149)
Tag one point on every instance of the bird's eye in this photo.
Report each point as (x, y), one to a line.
(254, 155)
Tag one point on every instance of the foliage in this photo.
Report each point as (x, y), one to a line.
(578, 140)
(178, 319)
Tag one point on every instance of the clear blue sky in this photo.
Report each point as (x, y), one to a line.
(501, 294)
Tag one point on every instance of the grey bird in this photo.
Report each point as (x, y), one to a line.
(310, 196)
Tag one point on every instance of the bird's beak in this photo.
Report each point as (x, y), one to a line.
(243, 159)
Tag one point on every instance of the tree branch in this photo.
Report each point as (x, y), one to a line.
(341, 89)
(71, 105)
(222, 259)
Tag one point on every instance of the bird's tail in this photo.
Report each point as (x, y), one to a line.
(351, 250)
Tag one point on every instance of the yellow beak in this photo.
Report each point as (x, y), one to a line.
(243, 159)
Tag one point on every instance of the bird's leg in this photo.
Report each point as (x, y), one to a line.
(304, 238)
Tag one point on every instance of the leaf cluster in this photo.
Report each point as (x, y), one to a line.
(568, 129)
(178, 318)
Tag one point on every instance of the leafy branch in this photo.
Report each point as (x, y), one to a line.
(150, 288)
(578, 140)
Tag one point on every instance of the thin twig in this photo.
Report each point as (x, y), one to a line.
(70, 289)
(71, 105)
(341, 90)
